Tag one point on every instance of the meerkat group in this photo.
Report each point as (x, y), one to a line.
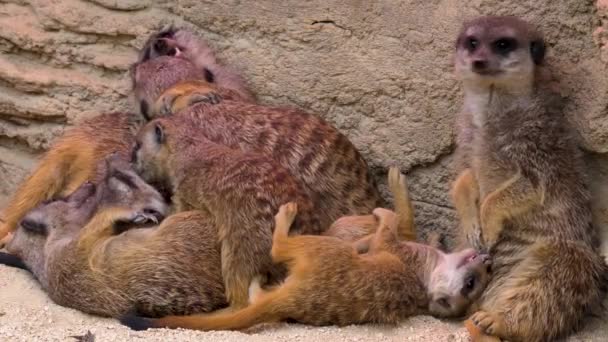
(269, 209)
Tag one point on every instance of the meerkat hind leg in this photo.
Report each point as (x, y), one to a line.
(465, 196)
(403, 204)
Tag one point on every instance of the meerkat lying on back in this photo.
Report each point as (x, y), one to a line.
(83, 261)
(329, 282)
(521, 193)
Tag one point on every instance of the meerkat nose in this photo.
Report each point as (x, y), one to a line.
(480, 65)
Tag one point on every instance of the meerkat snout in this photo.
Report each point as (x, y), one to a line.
(498, 49)
(457, 280)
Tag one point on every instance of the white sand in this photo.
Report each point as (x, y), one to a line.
(27, 314)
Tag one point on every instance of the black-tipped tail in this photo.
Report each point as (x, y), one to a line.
(12, 261)
(137, 323)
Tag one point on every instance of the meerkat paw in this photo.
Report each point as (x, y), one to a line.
(255, 289)
(387, 218)
(210, 97)
(287, 213)
(7, 236)
(396, 179)
(140, 217)
(490, 224)
(490, 323)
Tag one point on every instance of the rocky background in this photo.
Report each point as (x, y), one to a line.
(380, 71)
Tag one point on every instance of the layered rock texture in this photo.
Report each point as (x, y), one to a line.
(380, 71)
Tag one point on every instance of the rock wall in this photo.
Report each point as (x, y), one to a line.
(379, 70)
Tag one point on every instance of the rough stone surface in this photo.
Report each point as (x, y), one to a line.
(379, 70)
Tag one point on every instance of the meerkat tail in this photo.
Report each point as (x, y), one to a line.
(477, 335)
(12, 261)
(266, 309)
(403, 204)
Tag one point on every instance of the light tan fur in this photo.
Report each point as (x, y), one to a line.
(358, 226)
(521, 192)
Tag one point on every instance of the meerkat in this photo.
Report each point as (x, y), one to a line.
(241, 190)
(171, 41)
(521, 192)
(74, 158)
(330, 283)
(323, 160)
(171, 268)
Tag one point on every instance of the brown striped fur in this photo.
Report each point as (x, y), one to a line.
(240, 190)
(323, 160)
(521, 192)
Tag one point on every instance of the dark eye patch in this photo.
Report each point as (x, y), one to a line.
(444, 302)
(144, 109)
(34, 227)
(504, 46)
(134, 151)
(471, 43)
(124, 178)
(469, 284)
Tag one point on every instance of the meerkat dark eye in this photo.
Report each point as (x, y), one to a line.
(471, 44)
(34, 227)
(159, 134)
(144, 110)
(134, 152)
(209, 77)
(504, 46)
(125, 179)
(469, 284)
(444, 302)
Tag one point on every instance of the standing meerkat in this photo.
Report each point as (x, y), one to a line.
(330, 283)
(242, 191)
(324, 161)
(521, 192)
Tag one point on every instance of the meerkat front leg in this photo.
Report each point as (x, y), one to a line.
(514, 197)
(103, 224)
(184, 95)
(387, 232)
(465, 195)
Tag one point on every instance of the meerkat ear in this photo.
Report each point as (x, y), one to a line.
(159, 133)
(537, 50)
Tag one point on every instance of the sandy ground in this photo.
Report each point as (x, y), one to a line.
(27, 314)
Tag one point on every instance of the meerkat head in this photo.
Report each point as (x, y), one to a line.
(184, 43)
(501, 51)
(51, 220)
(152, 151)
(151, 78)
(457, 280)
(61, 219)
